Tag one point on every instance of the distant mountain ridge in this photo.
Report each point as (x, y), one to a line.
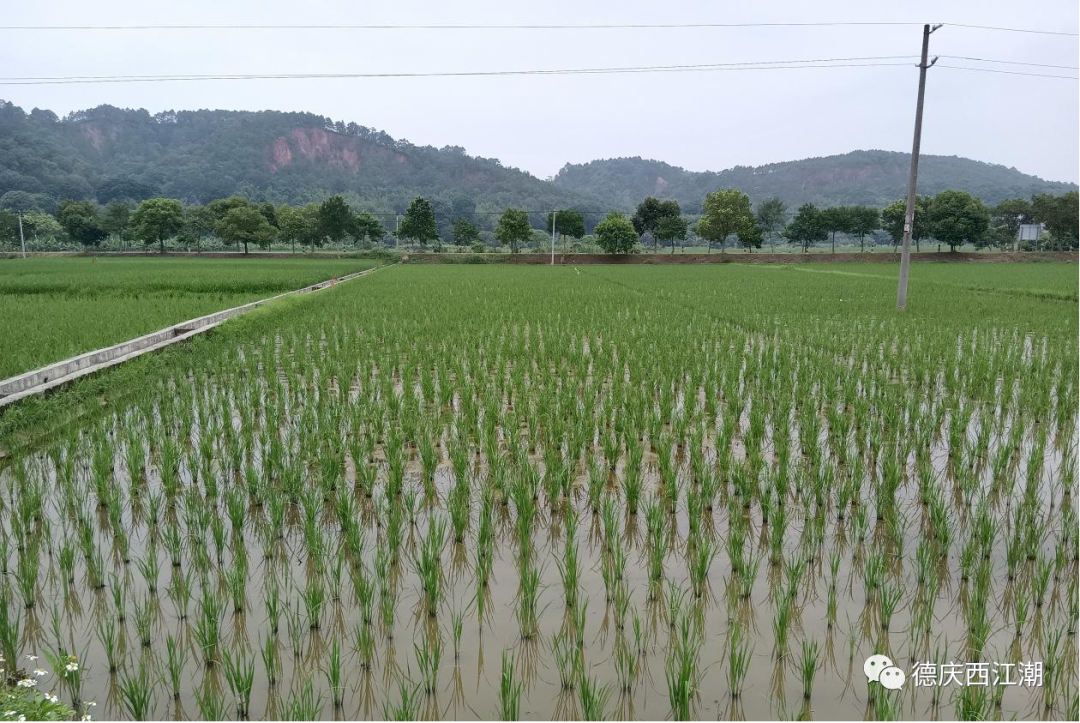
(107, 153)
(870, 178)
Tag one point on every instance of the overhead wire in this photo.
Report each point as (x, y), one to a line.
(518, 26)
(743, 65)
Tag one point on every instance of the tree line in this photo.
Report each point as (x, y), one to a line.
(953, 218)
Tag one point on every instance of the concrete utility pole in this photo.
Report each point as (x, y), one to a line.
(909, 215)
(22, 238)
(553, 213)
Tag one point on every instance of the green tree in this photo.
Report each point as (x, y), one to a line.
(725, 213)
(1005, 221)
(957, 217)
(568, 224)
(616, 234)
(419, 222)
(199, 222)
(157, 219)
(770, 218)
(863, 221)
(269, 212)
(670, 229)
(1060, 215)
(38, 224)
(221, 206)
(465, 232)
(9, 228)
(245, 225)
(23, 201)
(335, 219)
(892, 220)
(836, 218)
(650, 213)
(117, 219)
(752, 237)
(513, 228)
(367, 226)
(81, 222)
(807, 227)
(299, 224)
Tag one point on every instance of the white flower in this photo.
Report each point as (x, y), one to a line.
(41, 673)
(71, 667)
(27, 683)
(31, 657)
(51, 698)
(86, 716)
(91, 703)
(9, 713)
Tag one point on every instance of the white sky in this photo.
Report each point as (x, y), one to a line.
(708, 120)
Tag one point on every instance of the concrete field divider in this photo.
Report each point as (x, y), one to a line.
(53, 375)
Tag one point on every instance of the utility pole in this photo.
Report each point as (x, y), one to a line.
(909, 215)
(553, 214)
(22, 238)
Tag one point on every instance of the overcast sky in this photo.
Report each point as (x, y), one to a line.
(701, 120)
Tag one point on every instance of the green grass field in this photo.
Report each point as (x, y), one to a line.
(57, 308)
(702, 492)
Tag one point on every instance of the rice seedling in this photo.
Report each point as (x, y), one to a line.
(682, 670)
(144, 622)
(137, 693)
(271, 659)
(739, 655)
(429, 566)
(240, 675)
(890, 598)
(211, 701)
(428, 657)
(808, 666)
(509, 691)
(593, 697)
(528, 594)
(207, 632)
(314, 598)
(107, 638)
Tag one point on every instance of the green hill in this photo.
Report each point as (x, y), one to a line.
(871, 178)
(108, 153)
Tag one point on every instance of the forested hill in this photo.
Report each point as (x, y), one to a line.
(864, 178)
(107, 153)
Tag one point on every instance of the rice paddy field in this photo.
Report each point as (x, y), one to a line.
(552, 493)
(54, 308)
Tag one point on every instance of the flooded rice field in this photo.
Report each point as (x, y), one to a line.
(672, 494)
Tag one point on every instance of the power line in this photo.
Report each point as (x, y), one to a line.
(747, 65)
(1012, 30)
(501, 26)
(1010, 72)
(1010, 62)
(686, 66)
(473, 26)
